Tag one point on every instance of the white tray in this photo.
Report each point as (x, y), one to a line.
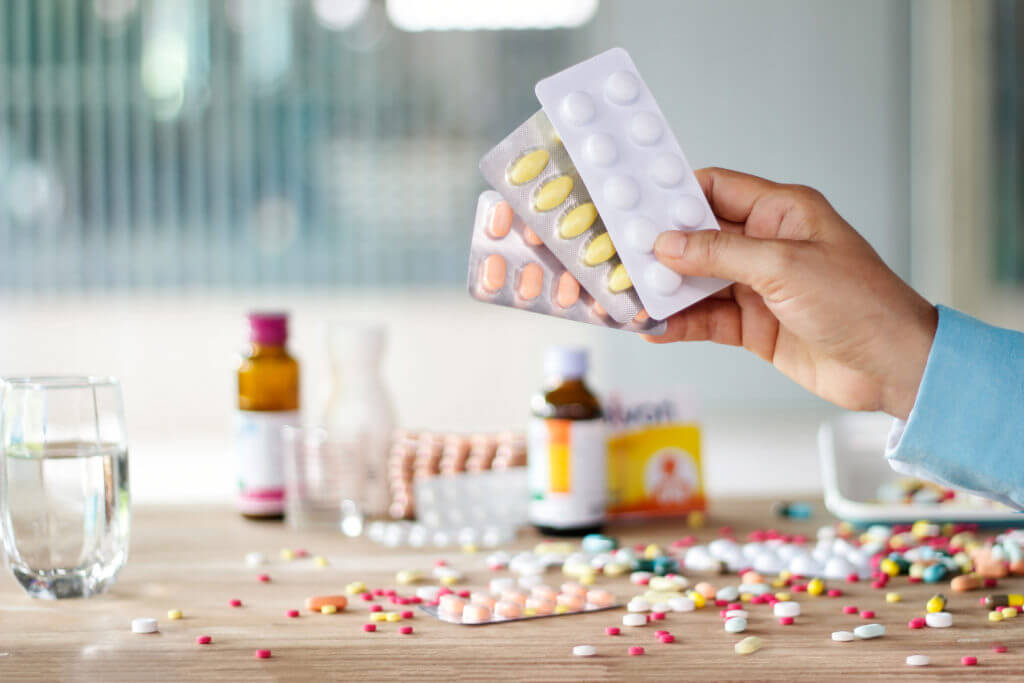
(853, 465)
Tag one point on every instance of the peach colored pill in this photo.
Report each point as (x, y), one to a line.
(544, 593)
(474, 614)
(568, 292)
(642, 317)
(508, 610)
(514, 596)
(501, 220)
(318, 602)
(540, 606)
(531, 280)
(452, 604)
(599, 309)
(494, 273)
(531, 238)
(483, 599)
(705, 589)
(600, 598)
(573, 588)
(965, 582)
(573, 602)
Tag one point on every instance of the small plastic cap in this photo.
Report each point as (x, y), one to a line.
(268, 328)
(564, 361)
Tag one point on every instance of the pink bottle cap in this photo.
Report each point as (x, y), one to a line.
(268, 328)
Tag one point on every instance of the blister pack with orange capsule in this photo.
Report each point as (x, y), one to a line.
(533, 172)
(509, 265)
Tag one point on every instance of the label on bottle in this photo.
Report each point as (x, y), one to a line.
(567, 472)
(259, 455)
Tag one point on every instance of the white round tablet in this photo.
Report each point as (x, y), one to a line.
(667, 170)
(843, 636)
(578, 108)
(255, 559)
(600, 149)
(633, 619)
(584, 650)
(645, 128)
(622, 192)
(144, 625)
(736, 625)
(687, 211)
(786, 608)
(939, 619)
(918, 660)
(622, 87)
(661, 279)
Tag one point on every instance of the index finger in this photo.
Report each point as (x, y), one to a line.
(732, 194)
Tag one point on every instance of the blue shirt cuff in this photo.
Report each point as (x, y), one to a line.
(966, 429)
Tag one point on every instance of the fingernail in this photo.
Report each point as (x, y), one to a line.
(670, 244)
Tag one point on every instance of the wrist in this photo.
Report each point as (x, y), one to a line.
(911, 347)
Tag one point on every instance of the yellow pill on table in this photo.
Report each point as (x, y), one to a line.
(746, 597)
(615, 569)
(378, 616)
(696, 519)
(893, 597)
(587, 579)
(577, 221)
(449, 580)
(995, 616)
(287, 554)
(889, 567)
(469, 548)
(328, 609)
(698, 600)
(651, 551)
(174, 614)
(561, 609)
(1015, 600)
(778, 583)
(407, 577)
(815, 587)
(935, 605)
(355, 588)
(552, 193)
(1009, 612)
(392, 616)
(320, 561)
(785, 597)
(528, 166)
(619, 281)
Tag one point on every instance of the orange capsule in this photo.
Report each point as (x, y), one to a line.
(530, 237)
(531, 280)
(494, 273)
(315, 603)
(642, 317)
(501, 220)
(568, 292)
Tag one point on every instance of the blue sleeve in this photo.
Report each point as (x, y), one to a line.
(966, 429)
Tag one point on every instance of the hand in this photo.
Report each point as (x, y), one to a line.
(811, 295)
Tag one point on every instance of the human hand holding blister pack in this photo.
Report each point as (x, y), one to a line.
(598, 172)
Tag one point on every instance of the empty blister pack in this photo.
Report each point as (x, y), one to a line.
(510, 266)
(634, 168)
(533, 172)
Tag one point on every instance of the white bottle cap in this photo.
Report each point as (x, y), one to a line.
(566, 362)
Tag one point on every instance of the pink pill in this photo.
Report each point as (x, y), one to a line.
(464, 593)
(376, 608)
(786, 621)
(293, 613)
(969, 661)
(721, 603)
(600, 598)
(369, 628)
(667, 638)
(544, 593)
(235, 602)
(799, 587)
(917, 622)
(735, 605)
(990, 582)
(612, 630)
(501, 220)
(867, 614)
(445, 591)
(405, 630)
(636, 650)
(441, 563)
(395, 600)
(203, 640)
(539, 606)
(531, 238)
(506, 609)
(852, 577)
(368, 597)
(657, 616)
(834, 593)
(379, 592)
(850, 609)
(408, 614)
(998, 648)
(415, 600)
(263, 578)
(573, 602)
(262, 654)
(531, 281)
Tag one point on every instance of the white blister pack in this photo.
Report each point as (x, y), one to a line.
(636, 172)
(510, 266)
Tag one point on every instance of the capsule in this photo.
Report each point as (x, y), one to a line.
(996, 601)
(936, 603)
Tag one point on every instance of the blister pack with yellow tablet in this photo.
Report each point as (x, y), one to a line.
(510, 266)
(533, 172)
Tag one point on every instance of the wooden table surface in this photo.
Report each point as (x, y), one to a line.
(192, 559)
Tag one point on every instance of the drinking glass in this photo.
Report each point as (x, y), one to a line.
(324, 481)
(64, 502)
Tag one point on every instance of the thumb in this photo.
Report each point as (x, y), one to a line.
(726, 255)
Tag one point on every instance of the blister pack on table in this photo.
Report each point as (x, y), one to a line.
(510, 266)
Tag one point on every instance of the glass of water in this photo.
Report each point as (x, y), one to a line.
(64, 501)
(324, 481)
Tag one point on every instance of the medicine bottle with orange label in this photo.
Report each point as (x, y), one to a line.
(566, 449)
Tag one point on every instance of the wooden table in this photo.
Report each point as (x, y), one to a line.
(192, 559)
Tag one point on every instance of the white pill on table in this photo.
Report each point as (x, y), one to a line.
(728, 593)
(578, 108)
(641, 234)
(869, 631)
(682, 604)
(622, 192)
(622, 87)
(736, 625)
(729, 614)
(645, 128)
(662, 279)
(255, 559)
(918, 660)
(843, 636)
(640, 578)
(787, 608)
(584, 650)
(600, 149)
(667, 170)
(939, 619)
(638, 605)
(144, 625)
(634, 619)
(687, 211)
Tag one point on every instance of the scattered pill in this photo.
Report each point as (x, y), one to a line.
(918, 660)
(850, 609)
(999, 648)
(262, 654)
(263, 578)
(316, 603)
(995, 615)
(174, 614)
(378, 617)
(748, 645)
(293, 613)
(320, 561)
(917, 622)
(405, 630)
(786, 609)
(867, 614)
(203, 640)
(786, 621)
(1008, 612)
(369, 628)
(735, 625)
(328, 609)
(584, 650)
(636, 650)
(939, 619)
(936, 603)
(235, 602)
(380, 608)
(392, 616)
(287, 554)
(255, 559)
(843, 636)
(969, 661)
(667, 638)
(144, 625)
(634, 619)
(869, 631)
(612, 630)
(893, 597)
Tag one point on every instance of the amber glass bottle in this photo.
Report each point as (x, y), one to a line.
(567, 450)
(268, 399)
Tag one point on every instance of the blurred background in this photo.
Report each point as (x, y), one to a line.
(168, 165)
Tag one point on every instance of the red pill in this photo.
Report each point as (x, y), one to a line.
(852, 577)
(969, 661)
(636, 650)
(786, 621)
(235, 602)
(368, 597)
(735, 605)
(407, 614)
(415, 600)
(203, 640)
(914, 579)
(445, 591)
(612, 630)
(834, 593)
(800, 588)
(990, 583)
(657, 616)
(263, 578)
(262, 654)
(867, 614)
(659, 634)
(293, 613)
(464, 594)
(369, 628)
(379, 592)
(998, 648)
(440, 563)
(917, 622)
(878, 583)
(404, 601)
(405, 630)
(721, 603)
(850, 609)
(300, 552)
(376, 608)
(667, 638)
(391, 592)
